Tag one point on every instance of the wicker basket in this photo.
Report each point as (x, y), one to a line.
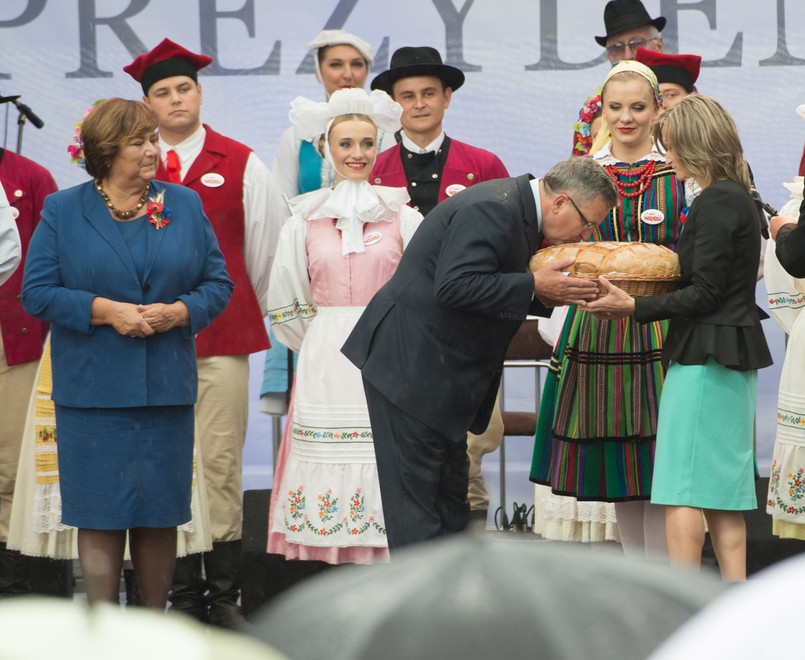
(635, 286)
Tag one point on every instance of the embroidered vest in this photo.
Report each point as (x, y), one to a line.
(240, 328)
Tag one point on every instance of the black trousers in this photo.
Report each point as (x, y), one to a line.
(423, 475)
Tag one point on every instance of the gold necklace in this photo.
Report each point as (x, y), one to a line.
(122, 215)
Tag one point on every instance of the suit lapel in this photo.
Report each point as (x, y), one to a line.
(154, 235)
(101, 220)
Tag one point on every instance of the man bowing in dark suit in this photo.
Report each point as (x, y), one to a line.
(431, 343)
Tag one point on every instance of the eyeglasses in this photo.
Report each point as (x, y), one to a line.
(586, 224)
(619, 48)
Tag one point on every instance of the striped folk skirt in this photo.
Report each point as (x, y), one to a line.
(598, 416)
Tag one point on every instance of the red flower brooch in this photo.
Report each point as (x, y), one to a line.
(157, 214)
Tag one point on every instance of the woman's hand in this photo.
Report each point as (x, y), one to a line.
(123, 317)
(161, 317)
(614, 305)
(778, 221)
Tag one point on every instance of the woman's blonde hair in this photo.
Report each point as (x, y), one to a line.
(110, 126)
(704, 139)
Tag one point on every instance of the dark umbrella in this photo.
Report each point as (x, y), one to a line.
(473, 597)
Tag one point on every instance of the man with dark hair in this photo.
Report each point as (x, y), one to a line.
(431, 342)
(434, 167)
(431, 165)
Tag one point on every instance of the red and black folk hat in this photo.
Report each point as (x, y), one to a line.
(163, 61)
(669, 68)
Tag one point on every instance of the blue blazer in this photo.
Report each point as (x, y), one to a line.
(77, 253)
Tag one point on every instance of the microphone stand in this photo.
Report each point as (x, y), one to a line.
(25, 113)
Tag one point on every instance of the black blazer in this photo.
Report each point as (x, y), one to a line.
(714, 312)
(433, 339)
(790, 248)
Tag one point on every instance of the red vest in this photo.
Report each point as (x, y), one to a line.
(239, 329)
(26, 184)
(466, 165)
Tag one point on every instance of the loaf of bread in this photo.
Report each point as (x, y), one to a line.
(613, 260)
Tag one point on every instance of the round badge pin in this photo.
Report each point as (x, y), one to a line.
(652, 216)
(212, 180)
(372, 237)
(454, 188)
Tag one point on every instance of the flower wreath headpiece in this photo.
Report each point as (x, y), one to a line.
(582, 134)
(76, 147)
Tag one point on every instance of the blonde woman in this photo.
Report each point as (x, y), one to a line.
(337, 249)
(595, 440)
(715, 343)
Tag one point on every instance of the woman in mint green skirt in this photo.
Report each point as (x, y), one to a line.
(715, 344)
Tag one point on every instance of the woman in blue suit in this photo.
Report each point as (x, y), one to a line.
(126, 270)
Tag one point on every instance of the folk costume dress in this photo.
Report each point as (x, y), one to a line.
(595, 439)
(786, 296)
(326, 499)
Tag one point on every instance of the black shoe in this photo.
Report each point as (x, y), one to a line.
(223, 568)
(15, 569)
(132, 590)
(187, 594)
(51, 577)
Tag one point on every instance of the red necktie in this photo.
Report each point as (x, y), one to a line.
(174, 167)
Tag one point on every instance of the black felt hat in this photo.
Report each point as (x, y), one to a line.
(418, 61)
(621, 15)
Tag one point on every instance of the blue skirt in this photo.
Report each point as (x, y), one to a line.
(121, 468)
(705, 429)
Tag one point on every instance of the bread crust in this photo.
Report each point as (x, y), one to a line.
(612, 259)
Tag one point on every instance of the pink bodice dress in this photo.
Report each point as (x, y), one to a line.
(326, 501)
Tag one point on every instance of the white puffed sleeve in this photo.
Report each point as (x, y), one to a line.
(290, 298)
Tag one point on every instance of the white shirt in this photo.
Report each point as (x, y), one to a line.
(535, 189)
(434, 146)
(10, 246)
(262, 210)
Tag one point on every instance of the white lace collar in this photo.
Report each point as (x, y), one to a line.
(351, 204)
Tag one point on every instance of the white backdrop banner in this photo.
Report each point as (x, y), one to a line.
(529, 66)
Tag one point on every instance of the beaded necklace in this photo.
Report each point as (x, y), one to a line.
(639, 185)
(122, 215)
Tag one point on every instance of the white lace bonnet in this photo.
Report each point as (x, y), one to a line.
(312, 119)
